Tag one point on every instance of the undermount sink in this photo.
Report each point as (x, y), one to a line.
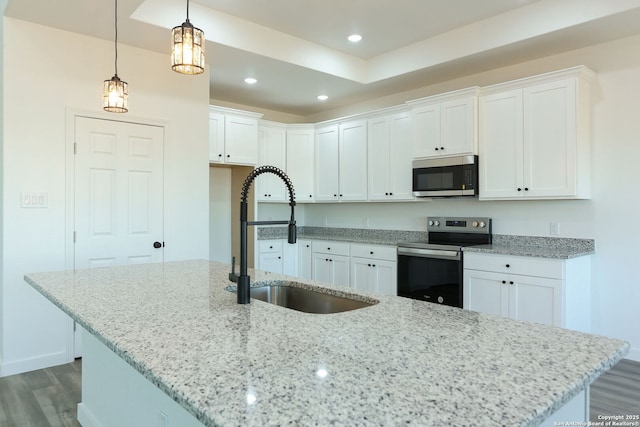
(285, 294)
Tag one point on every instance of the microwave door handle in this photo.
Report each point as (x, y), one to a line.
(430, 253)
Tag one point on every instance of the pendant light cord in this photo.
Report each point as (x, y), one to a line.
(187, 10)
(116, 39)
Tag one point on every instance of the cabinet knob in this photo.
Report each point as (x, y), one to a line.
(504, 282)
(219, 155)
(386, 194)
(335, 195)
(371, 252)
(526, 189)
(328, 249)
(228, 156)
(279, 257)
(373, 265)
(270, 247)
(265, 195)
(391, 194)
(310, 195)
(157, 245)
(511, 282)
(368, 265)
(307, 245)
(341, 195)
(442, 148)
(437, 149)
(519, 189)
(507, 265)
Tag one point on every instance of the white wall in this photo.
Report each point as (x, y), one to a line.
(220, 214)
(610, 217)
(48, 72)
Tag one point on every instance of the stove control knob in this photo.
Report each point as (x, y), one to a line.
(436, 223)
(474, 224)
(482, 224)
(430, 222)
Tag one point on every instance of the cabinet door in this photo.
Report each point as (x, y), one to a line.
(300, 168)
(290, 259)
(400, 158)
(550, 139)
(322, 268)
(304, 259)
(386, 277)
(271, 261)
(353, 161)
(272, 152)
(500, 137)
(363, 275)
(536, 299)
(458, 127)
(340, 265)
(486, 292)
(241, 140)
(327, 164)
(379, 149)
(426, 130)
(216, 138)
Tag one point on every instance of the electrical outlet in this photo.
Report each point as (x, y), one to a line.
(554, 228)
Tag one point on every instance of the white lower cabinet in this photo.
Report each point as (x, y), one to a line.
(278, 256)
(330, 262)
(548, 291)
(374, 268)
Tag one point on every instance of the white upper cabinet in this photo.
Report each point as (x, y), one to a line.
(353, 160)
(233, 136)
(445, 125)
(300, 162)
(272, 152)
(341, 162)
(534, 137)
(390, 157)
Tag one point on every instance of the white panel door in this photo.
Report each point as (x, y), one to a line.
(118, 193)
(353, 161)
(500, 137)
(326, 164)
(536, 299)
(300, 147)
(550, 139)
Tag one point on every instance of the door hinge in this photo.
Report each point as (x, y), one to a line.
(75, 148)
(74, 237)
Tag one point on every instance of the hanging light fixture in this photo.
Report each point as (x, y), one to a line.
(115, 92)
(187, 48)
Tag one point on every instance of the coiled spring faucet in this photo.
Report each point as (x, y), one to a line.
(243, 280)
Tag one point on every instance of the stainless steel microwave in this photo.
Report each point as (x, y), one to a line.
(446, 177)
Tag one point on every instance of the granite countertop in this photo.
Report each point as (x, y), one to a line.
(544, 247)
(399, 361)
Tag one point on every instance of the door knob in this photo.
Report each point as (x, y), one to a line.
(157, 245)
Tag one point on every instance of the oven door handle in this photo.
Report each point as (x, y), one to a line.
(430, 253)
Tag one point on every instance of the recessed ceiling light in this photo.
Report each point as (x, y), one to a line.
(250, 80)
(322, 97)
(354, 38)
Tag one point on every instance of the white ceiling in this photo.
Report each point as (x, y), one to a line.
(298, 49)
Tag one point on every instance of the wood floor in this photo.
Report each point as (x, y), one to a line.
(48, 397)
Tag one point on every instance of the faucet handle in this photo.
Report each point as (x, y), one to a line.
(233, 276)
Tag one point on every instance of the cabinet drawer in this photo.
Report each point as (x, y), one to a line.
(269, 246)
(374, 251)
(330, 247)
(529, 266)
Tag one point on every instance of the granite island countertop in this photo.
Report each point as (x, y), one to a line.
(399, 361)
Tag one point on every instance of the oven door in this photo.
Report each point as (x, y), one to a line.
(431, 275)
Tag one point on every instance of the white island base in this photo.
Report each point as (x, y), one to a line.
(115, 394)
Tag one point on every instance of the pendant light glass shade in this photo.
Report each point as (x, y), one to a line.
(187, 48)
(115, 92)
(115, 95)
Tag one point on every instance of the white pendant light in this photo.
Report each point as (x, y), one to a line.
(115, 92)
(187, 48)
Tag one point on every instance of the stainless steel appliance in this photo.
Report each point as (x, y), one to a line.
(446, 177)
(432, 271)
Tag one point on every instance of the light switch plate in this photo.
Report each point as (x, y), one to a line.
(33, 199)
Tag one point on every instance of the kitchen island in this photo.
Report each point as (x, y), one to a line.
(400, 361)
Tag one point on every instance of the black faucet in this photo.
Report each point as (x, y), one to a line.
(243, 279)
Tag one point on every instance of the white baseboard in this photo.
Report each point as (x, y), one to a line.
(86, 418)
(32, 364)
